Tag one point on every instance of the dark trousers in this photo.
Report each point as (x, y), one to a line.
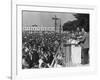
(85, 56)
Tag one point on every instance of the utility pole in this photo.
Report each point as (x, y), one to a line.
(60, 26)
(55, 19)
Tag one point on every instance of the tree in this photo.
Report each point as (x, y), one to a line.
(81, 22)
(70, 25)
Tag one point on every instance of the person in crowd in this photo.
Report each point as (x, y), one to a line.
(35, 58)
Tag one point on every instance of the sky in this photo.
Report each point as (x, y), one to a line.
(45, 18)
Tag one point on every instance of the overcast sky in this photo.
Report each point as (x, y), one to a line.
(45, 18)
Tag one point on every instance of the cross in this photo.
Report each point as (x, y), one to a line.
(55, 19)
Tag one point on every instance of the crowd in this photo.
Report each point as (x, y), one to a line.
(40, 49)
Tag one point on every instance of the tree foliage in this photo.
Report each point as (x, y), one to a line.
(81, 22)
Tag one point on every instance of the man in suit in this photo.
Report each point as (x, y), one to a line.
(85, 47)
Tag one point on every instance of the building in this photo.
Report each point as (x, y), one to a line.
(31, 29)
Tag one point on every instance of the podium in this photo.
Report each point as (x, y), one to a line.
(76, 54)
(67, 51)
(72, 54)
